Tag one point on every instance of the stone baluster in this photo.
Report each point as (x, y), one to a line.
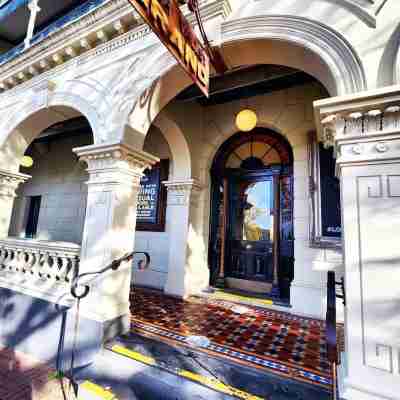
(35, 269)
(64, 268)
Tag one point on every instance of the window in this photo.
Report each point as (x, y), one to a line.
(325, 227)
(33, 216)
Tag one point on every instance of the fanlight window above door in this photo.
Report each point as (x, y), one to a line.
(247, 154)
(260, 149)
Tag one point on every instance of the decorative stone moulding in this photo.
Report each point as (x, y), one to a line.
(105, 160)
(9, 182)
(364, 116)
(183, 192)
(113, 24)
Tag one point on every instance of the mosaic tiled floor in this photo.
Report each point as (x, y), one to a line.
(278, 342)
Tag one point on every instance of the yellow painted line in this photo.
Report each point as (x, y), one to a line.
(134, 355)
(211, 383)
(98, 391)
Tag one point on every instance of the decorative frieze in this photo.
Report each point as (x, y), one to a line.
(183, 192)
(9, 183)
(361, 117)
(115, 162)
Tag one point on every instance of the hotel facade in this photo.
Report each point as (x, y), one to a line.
(128, 154)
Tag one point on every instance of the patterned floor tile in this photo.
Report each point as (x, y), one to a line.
(280, 342)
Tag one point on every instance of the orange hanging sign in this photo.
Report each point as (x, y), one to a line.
(167, 21)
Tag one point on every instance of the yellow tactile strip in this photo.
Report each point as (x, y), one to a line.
(211, 383)
(98, 391)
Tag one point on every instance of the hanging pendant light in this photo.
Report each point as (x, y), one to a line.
(26, 161)
(246, 120)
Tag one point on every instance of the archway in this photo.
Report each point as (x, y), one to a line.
(295, 42)
(27, 122)
(251, 237)
(51, 205)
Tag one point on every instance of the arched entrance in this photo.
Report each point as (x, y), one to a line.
(251, 236)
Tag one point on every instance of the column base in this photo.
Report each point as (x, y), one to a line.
(316, 298)
(352, 392)
(116, 326)
(349, 390)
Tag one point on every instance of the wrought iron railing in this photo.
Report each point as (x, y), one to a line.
(331, 323)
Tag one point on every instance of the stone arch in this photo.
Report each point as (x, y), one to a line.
(35, 115)
(327, 55)
(296, 42)
(182, 164)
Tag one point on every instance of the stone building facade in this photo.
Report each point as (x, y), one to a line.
(101, 64)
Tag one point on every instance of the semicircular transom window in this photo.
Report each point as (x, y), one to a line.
(253, 155)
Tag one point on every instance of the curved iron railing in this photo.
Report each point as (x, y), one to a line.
(114, 265)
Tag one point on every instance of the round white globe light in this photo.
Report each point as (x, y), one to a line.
(246, 120)
(26, 161)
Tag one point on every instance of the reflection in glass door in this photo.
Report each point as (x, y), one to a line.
(252, 229)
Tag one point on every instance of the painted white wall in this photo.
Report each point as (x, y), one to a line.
(60, 179)
(157, 244)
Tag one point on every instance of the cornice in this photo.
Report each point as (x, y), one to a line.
(114, 155)
(363, 127)
(75, 43)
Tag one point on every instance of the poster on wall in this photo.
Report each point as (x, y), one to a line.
(152, 198)
(330, 195)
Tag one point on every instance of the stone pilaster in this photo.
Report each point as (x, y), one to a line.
(188, 272)
(9, 183)
(109, 231)
(365, 131)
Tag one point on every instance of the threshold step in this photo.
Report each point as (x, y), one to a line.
(202, 379)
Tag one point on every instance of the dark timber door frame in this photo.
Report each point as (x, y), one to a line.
(281, 172)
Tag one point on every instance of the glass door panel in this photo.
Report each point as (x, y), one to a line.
(252, 226)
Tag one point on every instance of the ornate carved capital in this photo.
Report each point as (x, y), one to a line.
(363, 116)
(115, 162)
(183, 192)
(9, 182)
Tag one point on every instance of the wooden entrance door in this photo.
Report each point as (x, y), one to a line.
(253, 226)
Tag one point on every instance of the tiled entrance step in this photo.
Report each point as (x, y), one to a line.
(274, 342)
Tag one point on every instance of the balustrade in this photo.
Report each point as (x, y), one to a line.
(52, 262)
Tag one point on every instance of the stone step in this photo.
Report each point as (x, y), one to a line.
(215, 377)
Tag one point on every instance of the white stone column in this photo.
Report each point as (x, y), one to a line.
(109, 231)
(367, 143)
(188, 271)
(9, 183)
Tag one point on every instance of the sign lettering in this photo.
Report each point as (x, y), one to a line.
(168, 23)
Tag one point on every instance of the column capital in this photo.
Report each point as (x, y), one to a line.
(180, 192)
(9, 182)
(363, 128)
(106, 161)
